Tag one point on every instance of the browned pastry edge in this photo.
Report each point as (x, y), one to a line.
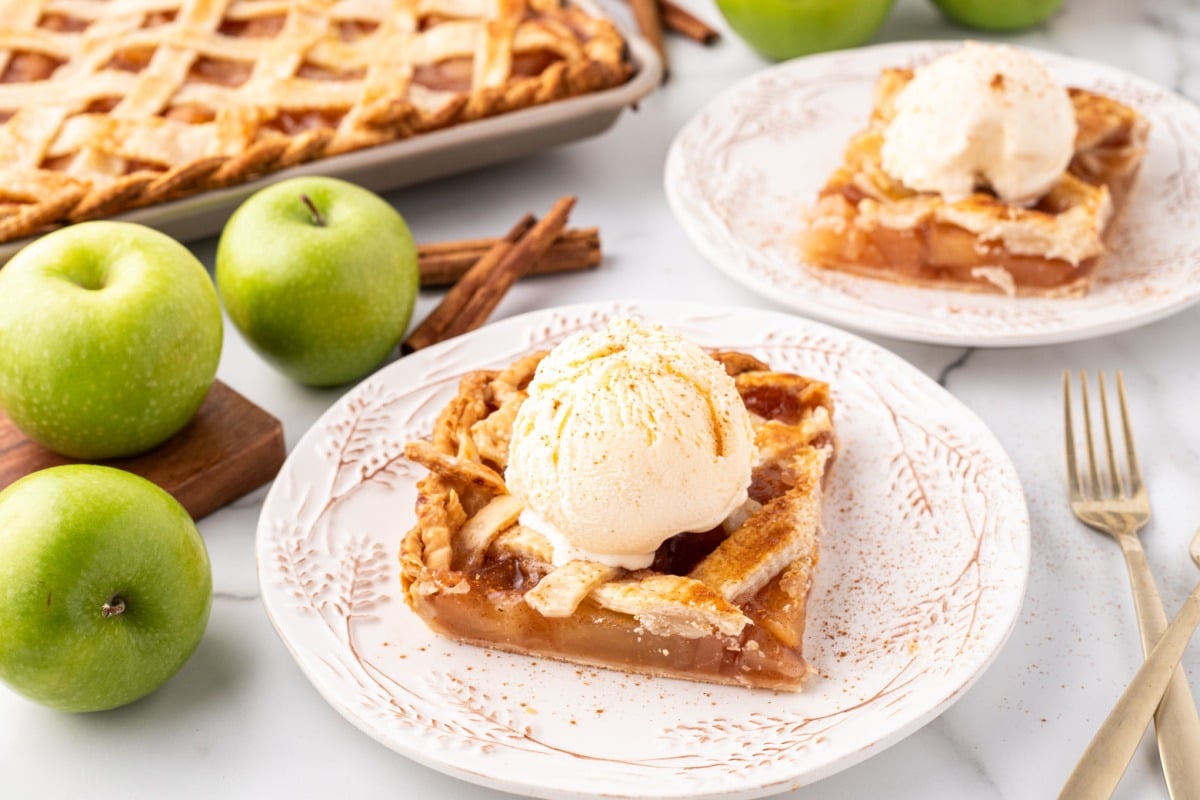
(396, 122)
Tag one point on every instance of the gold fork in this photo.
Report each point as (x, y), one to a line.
(1120, 507)
(1103, 763)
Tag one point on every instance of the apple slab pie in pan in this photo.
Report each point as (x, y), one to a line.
(111, 105)
(868, 222)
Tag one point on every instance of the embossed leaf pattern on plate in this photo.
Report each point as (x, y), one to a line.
(922, 572)
(740, 172)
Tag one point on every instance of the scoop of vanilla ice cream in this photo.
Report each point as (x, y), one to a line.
(628, 436)
(984, 116)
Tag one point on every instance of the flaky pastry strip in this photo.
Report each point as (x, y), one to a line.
(439, 515)
(506, 393)
(736, 363)
(492, 434)
(477, 533)
(671, 605)
(766, 543)
(518, 374)
(469, 473)
(560, 593)
(450, 433)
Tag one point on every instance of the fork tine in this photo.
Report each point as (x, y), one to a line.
(1114, 475)
(1093, 474)
(1135, 471)
(1073, 484)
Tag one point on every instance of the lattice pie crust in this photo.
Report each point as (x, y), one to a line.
(107, 105)
(726, 606)
(867, 223)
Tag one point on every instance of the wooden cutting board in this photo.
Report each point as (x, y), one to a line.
(229, 449)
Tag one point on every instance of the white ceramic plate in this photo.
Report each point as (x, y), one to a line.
(922, 573)
(739, 173)
(406, 162)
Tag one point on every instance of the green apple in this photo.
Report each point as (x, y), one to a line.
(105, 587)
(320, 276)
(110, 334)
(989, 15)
(781, 29)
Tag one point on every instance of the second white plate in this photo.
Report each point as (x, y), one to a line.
(739, 173)
(923, 568)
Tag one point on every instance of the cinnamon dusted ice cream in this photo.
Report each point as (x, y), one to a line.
(629, 436)
(983, 117)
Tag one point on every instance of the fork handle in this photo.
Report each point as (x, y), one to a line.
(1177, 724)
(1103, 763)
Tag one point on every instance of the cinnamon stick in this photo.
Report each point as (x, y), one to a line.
(678, 19)
(444, 263)
(471, 301)
(515, 263)
(648, 14)
(431, 329)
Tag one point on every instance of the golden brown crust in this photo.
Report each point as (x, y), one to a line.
(752, 555)
(727, 606)
(316, 86)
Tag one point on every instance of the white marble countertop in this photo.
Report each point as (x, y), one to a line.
(241, 720)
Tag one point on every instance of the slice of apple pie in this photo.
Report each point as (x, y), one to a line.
(726, 604)
(1025, 218)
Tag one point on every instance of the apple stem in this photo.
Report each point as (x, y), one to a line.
(318, 220)
(113, 607)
